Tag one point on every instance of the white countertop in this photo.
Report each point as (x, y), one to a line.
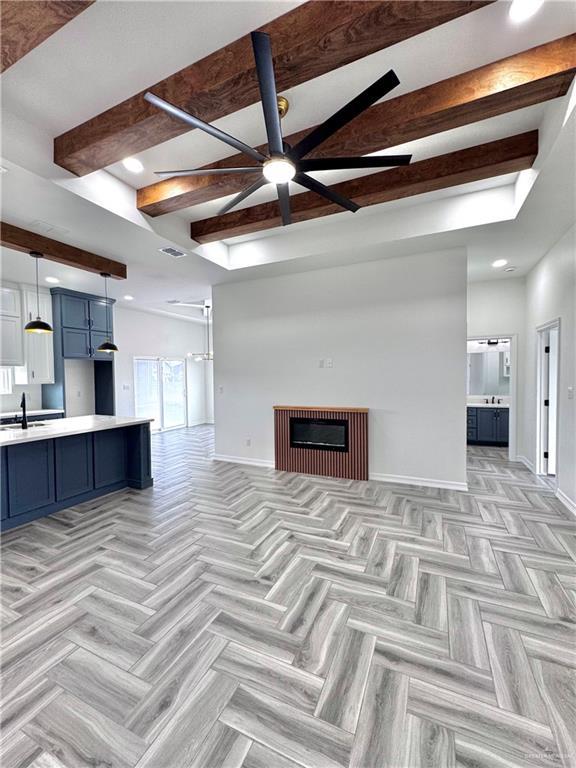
(77, 425)
(487, 405)
(41, 412)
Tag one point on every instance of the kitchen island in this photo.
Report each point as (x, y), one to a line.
(54, 465)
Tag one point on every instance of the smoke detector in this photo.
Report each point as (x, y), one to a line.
(174, 252)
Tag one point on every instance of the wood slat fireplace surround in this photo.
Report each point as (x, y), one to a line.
(351, 463)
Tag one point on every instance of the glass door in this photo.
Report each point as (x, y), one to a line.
(173, 393)
(160, 391)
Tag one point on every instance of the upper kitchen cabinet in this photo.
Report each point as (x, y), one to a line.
(83, 321)
(11, 327)
(39, 347)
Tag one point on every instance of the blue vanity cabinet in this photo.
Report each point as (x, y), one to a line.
(75, 311)
(74, 466)
(110, 457)
(31, 484)
(487, 426)
(3, 486)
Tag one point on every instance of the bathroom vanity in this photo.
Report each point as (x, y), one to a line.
(487, 424)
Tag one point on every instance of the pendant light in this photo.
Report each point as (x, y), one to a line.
(203, 357)
(107, 346)
(38, 325)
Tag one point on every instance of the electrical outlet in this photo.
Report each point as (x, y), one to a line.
(321, 363)
(126, 387)
(248, 442)
(570, 393)
(329, 362)
(220, 390)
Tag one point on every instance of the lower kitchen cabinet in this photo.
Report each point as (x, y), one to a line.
(487, 426)
(74, 466)
(30, 476)
(110, 457)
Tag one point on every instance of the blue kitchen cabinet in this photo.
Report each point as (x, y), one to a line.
(100, 315)
(74, 466)
(31, 484)
(110, 457)
(75, 311)
(75, 343)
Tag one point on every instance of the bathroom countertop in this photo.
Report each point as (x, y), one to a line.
(487, 405)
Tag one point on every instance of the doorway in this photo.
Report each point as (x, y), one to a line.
(547, 398)
(160, 391)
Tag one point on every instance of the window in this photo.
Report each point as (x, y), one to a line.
(5, 381)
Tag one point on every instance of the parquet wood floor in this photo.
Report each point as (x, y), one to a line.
(234, 616)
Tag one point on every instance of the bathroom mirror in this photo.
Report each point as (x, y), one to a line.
(488, 367)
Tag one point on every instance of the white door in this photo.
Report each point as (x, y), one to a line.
(173, 394)
(160, 391)
(147, 390)
(548, 365)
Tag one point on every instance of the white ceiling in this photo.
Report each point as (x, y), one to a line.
(122, 47)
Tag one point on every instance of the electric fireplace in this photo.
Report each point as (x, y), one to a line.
(322, 441)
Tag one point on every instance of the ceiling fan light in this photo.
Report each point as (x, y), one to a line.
(279, 170)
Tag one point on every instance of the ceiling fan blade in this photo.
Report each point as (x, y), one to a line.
(195, 122)
(265, 71)
(208, 171)
(339, 163)
(348, 112)
(242, 195)
(284, 200)
(327, 192)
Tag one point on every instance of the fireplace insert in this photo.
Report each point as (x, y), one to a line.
(319, 434)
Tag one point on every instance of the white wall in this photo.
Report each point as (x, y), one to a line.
(396, 332)
(551, 294)
(143, 334)
(80, 393)
(498, 308)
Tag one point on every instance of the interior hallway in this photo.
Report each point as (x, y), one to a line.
(236, 616)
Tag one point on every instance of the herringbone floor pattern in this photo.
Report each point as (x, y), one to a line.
(236, 616)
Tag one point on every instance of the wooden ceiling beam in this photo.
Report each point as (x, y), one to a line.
(27, 23)
(518, 81)
(495, 158)
(308, 41)
(24, 241)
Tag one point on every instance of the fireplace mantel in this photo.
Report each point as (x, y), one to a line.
(342, 455)
(323, 408)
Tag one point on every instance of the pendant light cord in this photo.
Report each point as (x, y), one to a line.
(106, 306)
(37, 293)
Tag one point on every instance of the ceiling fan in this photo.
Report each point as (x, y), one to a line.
(285, 163)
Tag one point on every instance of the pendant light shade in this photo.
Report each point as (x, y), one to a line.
(38, 325)
(107, 346)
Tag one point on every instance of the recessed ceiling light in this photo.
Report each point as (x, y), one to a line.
(128, 297)
(520, 10)
(52, 280)
(499, 263)
(132, 164)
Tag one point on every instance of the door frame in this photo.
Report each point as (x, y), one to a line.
(158, 360)
(513, 409)
(542, 415)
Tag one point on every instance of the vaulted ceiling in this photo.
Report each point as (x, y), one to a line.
(481, 101)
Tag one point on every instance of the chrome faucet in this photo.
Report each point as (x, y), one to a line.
(23, 406)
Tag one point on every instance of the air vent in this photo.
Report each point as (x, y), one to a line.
(174, 252)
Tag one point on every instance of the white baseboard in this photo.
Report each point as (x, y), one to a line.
(425, 482)
(243, 460)
(398, 479)
(527, 463)
(569, 503)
